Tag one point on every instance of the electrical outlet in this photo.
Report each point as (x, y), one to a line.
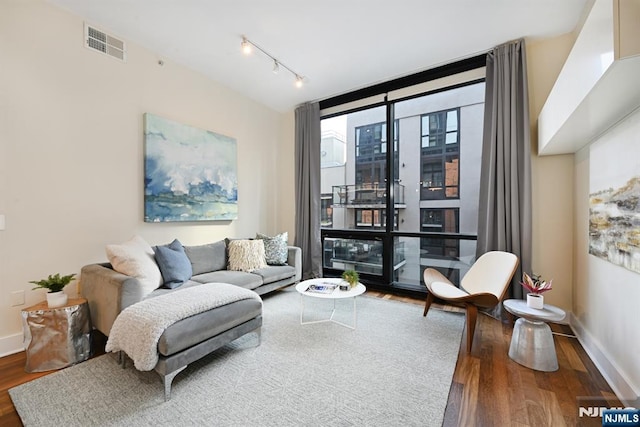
(17, 298)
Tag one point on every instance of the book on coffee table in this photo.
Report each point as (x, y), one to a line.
(322, 288)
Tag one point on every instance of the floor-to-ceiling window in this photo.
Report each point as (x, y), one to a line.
(390, 210)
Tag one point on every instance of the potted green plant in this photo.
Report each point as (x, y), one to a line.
(351, 277)
(55, 285)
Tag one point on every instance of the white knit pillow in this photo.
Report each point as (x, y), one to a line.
(135, 258)
(246, 255)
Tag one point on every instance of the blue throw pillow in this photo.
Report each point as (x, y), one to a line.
(174, 264)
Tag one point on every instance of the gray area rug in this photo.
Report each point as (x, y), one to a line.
(394, 370)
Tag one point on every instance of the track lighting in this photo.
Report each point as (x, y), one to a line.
(247, 46)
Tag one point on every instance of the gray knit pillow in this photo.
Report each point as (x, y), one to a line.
(246, 255)
(275, 248)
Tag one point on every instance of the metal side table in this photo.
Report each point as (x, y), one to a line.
(57, 337)
(532, 342)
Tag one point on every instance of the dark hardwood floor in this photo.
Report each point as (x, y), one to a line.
(488, 388)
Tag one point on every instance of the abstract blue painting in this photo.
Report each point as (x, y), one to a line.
(190, 174)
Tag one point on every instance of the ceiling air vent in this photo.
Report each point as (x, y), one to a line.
(102, 42)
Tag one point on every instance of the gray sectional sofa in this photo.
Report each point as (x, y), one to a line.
(109, 292)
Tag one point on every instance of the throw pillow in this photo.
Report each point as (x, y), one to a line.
(174, 264)
(275, 248)
(207, 258)
(135, 258)
(246, 255)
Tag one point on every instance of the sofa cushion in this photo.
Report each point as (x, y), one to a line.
(275, 273)
(239, 278)
(246, 255)
(135, 258)
(196, 329)
(206, 258)
(275, 248)
(174, 264)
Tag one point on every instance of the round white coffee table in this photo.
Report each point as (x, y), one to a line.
(532, 342)
(303, 289)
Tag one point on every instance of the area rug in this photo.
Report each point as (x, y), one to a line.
(395, 369)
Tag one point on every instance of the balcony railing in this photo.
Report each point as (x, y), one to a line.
(357, 195)
(360, 255)
(407, 255)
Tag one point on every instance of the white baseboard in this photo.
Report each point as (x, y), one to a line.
(11, 344)
(616, 380)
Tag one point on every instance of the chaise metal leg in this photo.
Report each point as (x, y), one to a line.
(168, 379)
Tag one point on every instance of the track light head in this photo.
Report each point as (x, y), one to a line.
(276, 67)
(246, 46)
(299, 81)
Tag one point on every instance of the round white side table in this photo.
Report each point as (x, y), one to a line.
(532, 342)
(335, 295)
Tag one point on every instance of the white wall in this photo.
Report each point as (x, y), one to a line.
(607, 296)
(71, 151)
(601, 298)
(285, 206)
(552, 178)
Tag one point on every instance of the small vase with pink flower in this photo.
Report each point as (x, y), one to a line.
(536, 286)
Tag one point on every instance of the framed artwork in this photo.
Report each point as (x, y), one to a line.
(190, 174)
(614, 196)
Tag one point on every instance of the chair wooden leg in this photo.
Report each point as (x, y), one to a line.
(428, 303)
(472, 314)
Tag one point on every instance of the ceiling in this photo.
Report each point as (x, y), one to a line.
(337, 45)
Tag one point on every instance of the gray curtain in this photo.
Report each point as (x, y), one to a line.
(504, 216)
(307, 153)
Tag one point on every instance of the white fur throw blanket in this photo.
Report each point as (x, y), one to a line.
(138, 328)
